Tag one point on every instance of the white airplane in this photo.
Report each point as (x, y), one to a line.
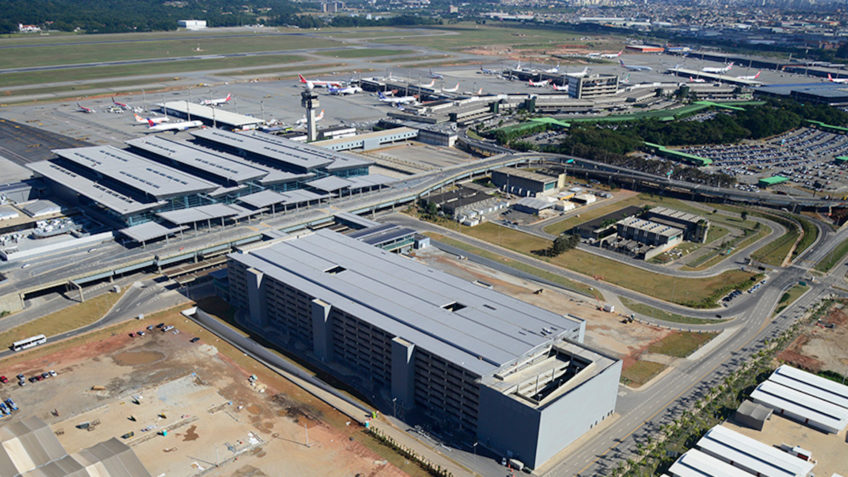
(555, 69)
(123, 106)
(612, 56)
(559, 88)
(181, 126)
(436, 75)
(538, 84)
(451, 90)
(749, 77)
(697, 80)
(580, 74)
(428, 85)
(345, 91)
(156, 120)
(83, 109)
(319, 83)
(836, 80)
(486, 71)
(634, 67)
(217, 101)
(397, 99)
(302, 120)
(475, 93)
(724, 69)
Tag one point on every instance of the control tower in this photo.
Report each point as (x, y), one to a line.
(309, 100)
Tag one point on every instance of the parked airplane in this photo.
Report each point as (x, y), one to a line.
(555, 69)
(436, 75)
(83, 109)
(181, 126)
(722, 70)
(538, 84)
(319, 83)
(397, 99)
(749, 77)
(836, 80)
(451, 90)
(346, 90)
(612, 56)
(486, 71)
(302, 120)
(123, 106)
(216, 102)
(156, 120)
(559, 88)
(697, 80)
(580, 74)
(635, 67)
(428, 85)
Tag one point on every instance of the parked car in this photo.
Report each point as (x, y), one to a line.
(4, 379)
(45, 375)
(11, 404)
(194, 340)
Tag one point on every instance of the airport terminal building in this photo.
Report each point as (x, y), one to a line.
(478, 364)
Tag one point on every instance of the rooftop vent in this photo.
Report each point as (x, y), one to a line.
(335, 270)
(453, 306)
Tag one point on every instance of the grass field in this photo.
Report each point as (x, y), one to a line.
(680, 344)
(102, 85)
(174, 67)
(790, 296)
(811, 233)
(774, 252)
(640, 373)
(360, 52)
(648, 310)
(288, 69)
(831, 259)
(693, 292)
(71, 318)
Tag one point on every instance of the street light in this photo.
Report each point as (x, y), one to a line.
(394, 404)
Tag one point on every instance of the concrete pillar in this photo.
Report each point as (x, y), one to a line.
(403, 372)
(321, 333)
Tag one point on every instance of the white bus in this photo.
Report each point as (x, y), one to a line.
(29, 342)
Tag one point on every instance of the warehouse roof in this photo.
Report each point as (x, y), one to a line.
(134, 171)
(752, 455)
(191, 156)
(695, 463)
(115, 201)
(809, 383)
(115, 457)
(471, 326)
(773, 180)
(525, 174)
(26, 445)
(211, 115)
(254, 143)
(811, 409)
(382, 233)
(676, 214)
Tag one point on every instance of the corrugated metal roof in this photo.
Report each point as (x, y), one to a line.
(408, 299)
(338, 160)
(329, 184)
(198, 214)
(752, 455)
(210, 114)
(695, 463)
(809, 383)
(149, 231)
(808, 407)
(285, 155)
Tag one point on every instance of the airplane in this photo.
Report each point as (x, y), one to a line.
(216, 102)
(836, 80)
(346, 90)
(181, 126)
(749, 77)
(612, 56)
(428, 85)
(397, 99)
(634, 67)
(486, 71)
(555, 69)
(451, 90)
(436, 75)
(156, 120)
(724, 69)
(580, 74)
(83, 109)
(626, 79)
(538, 84)
(123, 106)
(559, 88)
(302, 120)
(697, 80)
(319, 83)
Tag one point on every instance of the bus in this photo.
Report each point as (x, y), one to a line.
(29, 342)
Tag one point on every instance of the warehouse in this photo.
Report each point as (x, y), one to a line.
(804, 397)
(648, 232)
(695, 463)
(751, 455)
(441, 349)
(526, 183)
(771, 181)
(465, 202)
(694, 227)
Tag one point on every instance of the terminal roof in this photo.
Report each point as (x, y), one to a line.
(211, 115)
(115, 201)
(474, 327)
(339, 160)
(134, 171)
(329, 184)
(203, 159)
(149, 231)
(199, 214)
(287, 156)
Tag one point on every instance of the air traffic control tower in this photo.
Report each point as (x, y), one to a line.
(309, 100)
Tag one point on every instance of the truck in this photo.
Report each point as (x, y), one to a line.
(609, 308)
(516, 464)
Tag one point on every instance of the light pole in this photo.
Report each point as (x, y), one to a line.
(475, 448)
(394, 404)
(262, 110)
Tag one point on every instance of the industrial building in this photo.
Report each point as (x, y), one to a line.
(526, 183)
(771, 181)
(464, 202)
(804, 397)
(29, 448)
(695, 227)
(592, 86)
(833, 94)
(491, 369)
(749, 455)
(648, 232)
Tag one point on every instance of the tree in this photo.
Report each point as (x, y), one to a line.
(563, 243)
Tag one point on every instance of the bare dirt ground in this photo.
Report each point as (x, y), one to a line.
(216, 422)
(603, 330)
(821, 348)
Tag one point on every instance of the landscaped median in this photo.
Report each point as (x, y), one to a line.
(833, 257)
(691, 292)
